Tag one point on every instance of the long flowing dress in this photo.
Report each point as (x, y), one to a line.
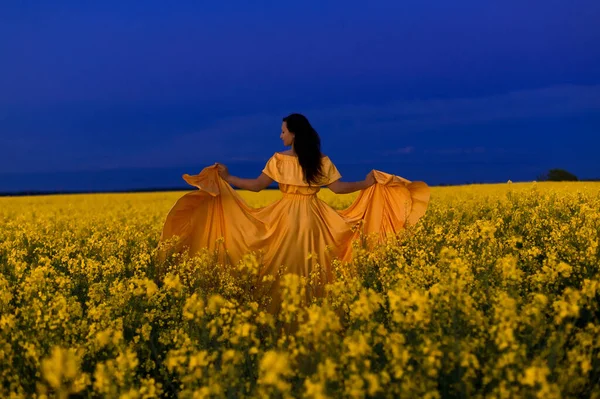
(298, 231)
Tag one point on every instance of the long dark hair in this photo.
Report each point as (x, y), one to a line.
(307, 146)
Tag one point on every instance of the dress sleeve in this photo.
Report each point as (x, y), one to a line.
(272, 169)
(288, 171)
(284, 170)
(330, 172)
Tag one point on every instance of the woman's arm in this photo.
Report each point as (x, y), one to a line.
(260, 183)
(340, 187)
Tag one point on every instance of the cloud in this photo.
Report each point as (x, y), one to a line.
(373, 130)
(407, 117)
(400, 151)
(240, 138)
(456, 150)
(247, 136)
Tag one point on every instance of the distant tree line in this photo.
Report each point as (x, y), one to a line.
(557, 175)
(551, 175)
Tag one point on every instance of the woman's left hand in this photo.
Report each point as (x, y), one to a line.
(223, 171)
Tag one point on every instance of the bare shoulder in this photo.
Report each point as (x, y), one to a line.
(289, 152)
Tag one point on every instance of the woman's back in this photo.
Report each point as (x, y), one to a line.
(286, 170)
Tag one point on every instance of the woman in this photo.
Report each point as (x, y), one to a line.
(299, 231)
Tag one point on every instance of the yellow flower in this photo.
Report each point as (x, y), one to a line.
(61, 367)
(173, 282)
(194, 307)
(534, 375)
(273, 369)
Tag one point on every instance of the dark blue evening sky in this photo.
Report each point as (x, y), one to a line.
(113, 95)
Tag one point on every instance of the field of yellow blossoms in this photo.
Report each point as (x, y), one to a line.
(495, 293)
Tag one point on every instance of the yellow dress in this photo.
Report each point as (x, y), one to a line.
(292, 228)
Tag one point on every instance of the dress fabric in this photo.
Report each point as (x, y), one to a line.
(299, 230)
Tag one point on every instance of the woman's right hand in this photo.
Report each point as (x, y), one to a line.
(223, 171)
(370, 179)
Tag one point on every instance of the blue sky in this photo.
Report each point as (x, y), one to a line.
(430, 90)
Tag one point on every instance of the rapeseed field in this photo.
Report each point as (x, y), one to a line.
(495, 293)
